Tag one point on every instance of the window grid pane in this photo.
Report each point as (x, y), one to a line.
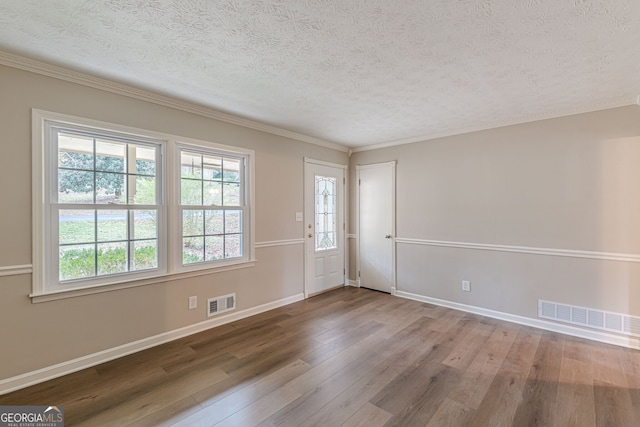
(77, 262)
(145, 254)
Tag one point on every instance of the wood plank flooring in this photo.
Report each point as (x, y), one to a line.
(354, 357)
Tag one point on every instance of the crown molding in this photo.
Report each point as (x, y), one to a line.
(61, 73)
(66, 74)
(615, 103)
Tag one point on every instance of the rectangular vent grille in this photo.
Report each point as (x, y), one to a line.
(579, 315)
(221, 304)
(589, 317)
(563, 312)
(631, 325)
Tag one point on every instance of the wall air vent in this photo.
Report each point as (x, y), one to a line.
(590, 317)
(221, 304)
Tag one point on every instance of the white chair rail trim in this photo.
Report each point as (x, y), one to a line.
(610, 256)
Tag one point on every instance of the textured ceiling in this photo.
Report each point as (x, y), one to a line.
(355, 72)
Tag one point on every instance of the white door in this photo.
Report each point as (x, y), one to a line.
(376, 226)
(324, 226)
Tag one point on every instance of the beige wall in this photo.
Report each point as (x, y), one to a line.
(40, 335)
(568, 183)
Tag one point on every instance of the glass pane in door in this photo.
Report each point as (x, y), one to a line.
(325, 212)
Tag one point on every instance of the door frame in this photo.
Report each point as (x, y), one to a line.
(392, 164)
(307, 164)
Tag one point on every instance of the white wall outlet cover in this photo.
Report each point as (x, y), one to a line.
(466, 286)
(193, 302)
(298, 216)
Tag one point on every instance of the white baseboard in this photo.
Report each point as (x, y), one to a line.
(623, 341)
(30, 378)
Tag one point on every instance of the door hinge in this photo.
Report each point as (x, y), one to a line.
(344, 181)
(358, 182)
(358, 273)
(344, 271)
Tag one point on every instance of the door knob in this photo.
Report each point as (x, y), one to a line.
(388, 236)
(310, 235)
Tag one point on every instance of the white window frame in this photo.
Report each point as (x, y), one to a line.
(45, 282)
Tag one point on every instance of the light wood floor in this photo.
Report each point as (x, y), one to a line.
(354, 357)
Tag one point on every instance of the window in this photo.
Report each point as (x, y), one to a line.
(105, 202)
(212, 206)
(105, 215)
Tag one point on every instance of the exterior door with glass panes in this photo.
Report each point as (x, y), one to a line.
(324, 227)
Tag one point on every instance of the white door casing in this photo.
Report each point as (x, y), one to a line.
(324, 226)
(375, 217)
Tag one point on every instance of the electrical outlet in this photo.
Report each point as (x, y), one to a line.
(193, 303)
(466, 286)
(298, 216)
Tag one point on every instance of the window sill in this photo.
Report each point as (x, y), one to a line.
(90, 290)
